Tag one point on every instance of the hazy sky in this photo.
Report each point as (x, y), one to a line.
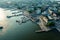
(25, 0)
(57, 0)
(22, 0)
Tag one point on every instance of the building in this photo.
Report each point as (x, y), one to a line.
(38, 11)
(44, 18)
(50, 17)
(50, 11)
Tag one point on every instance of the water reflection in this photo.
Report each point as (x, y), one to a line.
(3, 21)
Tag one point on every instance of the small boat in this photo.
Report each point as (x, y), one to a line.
(20, 22)
(9, 16)
(17, 21)
(1, 27)
(23, 21)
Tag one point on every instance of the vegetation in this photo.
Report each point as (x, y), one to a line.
(18, 7)
(58, 13)
(50, 24)
(39, 7)
(35, 8)
(30, 11)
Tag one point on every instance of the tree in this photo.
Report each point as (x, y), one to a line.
(18, 7)
(50, 24)
(58, 12)
(30, 11)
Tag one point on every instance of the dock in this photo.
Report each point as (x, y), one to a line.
(41, 24)
(43, 27)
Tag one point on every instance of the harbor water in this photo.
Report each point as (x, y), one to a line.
(25, 31)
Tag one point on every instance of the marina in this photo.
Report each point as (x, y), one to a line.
(29, 20)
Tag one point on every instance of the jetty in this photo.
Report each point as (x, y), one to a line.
(42, 26)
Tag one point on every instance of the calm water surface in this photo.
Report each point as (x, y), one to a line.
(25, 31)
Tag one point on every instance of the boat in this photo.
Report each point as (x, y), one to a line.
(9, 16)
(19, 21)
(1, 27)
